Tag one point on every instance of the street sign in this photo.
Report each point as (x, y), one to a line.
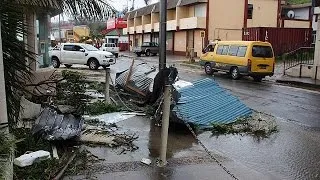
(202, 34)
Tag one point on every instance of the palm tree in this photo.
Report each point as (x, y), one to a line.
(16, 71)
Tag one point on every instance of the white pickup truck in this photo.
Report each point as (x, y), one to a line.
(110, 47)
(84, 54)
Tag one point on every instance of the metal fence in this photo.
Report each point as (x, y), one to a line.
(303, 55)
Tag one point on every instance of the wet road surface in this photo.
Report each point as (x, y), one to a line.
(292, 153)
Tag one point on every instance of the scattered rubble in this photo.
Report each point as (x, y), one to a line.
(146, 161)
(54, 126)
(28, 109)
(29, 158)
(258, 124)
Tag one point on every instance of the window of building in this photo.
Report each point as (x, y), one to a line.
(250, 11)
(242, 51)
(220, 49)
(225, 50)
(233, 51)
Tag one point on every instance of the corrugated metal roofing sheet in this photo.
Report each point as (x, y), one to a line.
(207, 103)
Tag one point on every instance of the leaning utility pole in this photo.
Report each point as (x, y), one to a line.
(163, 34)
(167, 88)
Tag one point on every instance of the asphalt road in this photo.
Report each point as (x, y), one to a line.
(291, 153)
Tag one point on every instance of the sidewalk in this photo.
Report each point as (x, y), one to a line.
(303, 82)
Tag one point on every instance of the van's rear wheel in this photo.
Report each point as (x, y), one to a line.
(235, 73)
(208, 69)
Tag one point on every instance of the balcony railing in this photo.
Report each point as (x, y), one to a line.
(147, 27)
(156, 27)
(131, 30)
(193, 23)
(139, 29)
(172, 25)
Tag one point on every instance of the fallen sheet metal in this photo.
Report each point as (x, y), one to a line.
(137, 78)
(206, 103)
(112, 117)
(53, 126)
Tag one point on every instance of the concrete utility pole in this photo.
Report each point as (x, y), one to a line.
(3, 100)
(163, 34)
(107, 93)
(167, 90)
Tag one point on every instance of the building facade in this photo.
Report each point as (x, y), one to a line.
(186, 23)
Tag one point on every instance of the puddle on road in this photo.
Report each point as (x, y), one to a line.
(292, 153)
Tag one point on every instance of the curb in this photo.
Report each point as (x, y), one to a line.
(300, 84)
(190, 65)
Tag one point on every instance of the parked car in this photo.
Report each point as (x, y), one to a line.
(85, 54)
(110, 47)
(249, 58)
(147, 48)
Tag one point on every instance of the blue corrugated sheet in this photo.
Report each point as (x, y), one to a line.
(206, 103)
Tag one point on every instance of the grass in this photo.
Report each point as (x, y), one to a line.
(249, 125)
(100, 107)
(298, 1)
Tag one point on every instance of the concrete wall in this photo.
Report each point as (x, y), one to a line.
(155, 18)
(296, 24)
(264, 13)
(221, 20)
(200, 10)
(182, 12)
(130, 22)
(198, 43)
(146, 19)
(191, 11)
(180, 41)
(171, 15)
(138, 21)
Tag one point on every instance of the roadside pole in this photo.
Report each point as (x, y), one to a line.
(107, 93)
(3, 100)
(167, 90)
(165, 125)
(163, 34)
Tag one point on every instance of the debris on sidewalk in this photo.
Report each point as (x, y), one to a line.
(258, 124)
(138, 78)
(53, 126)
(110, 118)
(29, 158)
(29, 110)
(146, 161)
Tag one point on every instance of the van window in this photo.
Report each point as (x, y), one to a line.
(242, 51)
(220, 49)
(233, 51)
(262, 51)
(225, 50)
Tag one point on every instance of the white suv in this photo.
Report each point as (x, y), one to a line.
(84, 54)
